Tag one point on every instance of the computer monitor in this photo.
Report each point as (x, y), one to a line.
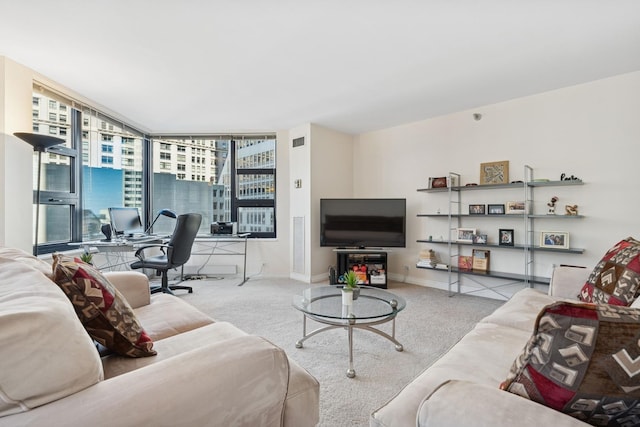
(125, 221)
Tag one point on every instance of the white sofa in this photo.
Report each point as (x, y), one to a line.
(205, 373)
(462, 387)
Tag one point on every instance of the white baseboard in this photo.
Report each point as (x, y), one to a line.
(210, 270)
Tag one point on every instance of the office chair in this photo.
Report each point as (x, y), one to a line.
(174, 254)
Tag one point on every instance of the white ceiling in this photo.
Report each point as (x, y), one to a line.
(198, 66)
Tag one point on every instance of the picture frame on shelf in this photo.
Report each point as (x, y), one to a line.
(479, 239)
(494, 172)
(554, 239)
(515, 208)
(438, 182)
(495, 209)
(477, 209)
(465, 262)
(506, 237)
(465, 235)
(481, 259)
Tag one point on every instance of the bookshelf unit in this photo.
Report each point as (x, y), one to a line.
(527, 221)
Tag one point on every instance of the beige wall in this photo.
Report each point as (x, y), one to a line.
(325, 167)
(332, 175)
(590, 130)
(16, 156)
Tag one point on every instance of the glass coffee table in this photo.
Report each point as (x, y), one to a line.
(374, 306)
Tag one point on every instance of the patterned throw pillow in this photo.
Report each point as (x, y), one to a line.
(616, 278)
(583, 360)
(105, 314)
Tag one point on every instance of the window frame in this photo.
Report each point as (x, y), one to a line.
(71, 198)
(237, 203)
(74, 197)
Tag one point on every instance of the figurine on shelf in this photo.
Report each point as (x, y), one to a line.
(552, 205)
(571, 210)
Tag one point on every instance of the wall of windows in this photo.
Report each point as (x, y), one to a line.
(59, 183)
(112, 170)
(224, 178)
(102, 165)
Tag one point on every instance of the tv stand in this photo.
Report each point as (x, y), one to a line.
(369, 263)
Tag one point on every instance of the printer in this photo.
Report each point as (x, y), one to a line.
(224, 228)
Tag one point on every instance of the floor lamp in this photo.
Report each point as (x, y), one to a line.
(40, 143)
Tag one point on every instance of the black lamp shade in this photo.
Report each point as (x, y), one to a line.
(167, 212)
(39, 142)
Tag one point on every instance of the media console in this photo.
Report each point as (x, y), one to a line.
(369, 264)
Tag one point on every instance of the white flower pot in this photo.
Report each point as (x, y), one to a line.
(347, 297)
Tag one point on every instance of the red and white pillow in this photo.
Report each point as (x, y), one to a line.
(105, 314)
(582, 360)
(616, 278)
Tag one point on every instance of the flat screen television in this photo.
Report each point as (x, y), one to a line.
(363, 223)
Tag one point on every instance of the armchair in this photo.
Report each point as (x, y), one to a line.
(174, 254)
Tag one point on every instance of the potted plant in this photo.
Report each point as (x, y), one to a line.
(87, 257)
(351, 283)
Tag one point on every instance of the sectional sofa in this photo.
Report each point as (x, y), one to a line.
(181, 367)
(541, 359)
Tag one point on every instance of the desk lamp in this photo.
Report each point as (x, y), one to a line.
(40, 143)
(162, 212)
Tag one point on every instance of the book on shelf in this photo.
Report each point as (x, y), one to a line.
(428, 264)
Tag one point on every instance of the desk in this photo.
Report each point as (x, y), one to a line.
(221, 244)
(115, 251)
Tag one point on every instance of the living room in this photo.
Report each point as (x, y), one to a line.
(585, 126)
(586, 130)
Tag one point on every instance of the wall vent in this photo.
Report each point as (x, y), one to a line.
(298, 142)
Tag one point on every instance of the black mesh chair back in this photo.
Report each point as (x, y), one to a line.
(184, 234)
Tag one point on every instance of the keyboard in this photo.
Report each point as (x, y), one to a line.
(136, 238)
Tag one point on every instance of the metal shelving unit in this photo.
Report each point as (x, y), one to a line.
(455, 217)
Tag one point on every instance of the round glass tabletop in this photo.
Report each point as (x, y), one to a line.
(326, 301)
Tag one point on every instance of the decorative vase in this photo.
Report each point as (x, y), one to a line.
(356, 293)
(347, 297)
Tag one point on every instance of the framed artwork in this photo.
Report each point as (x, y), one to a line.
(554, 239)
(438, 182)
(514, 208)
(479, 239)
(465, 235)
(505, 237)
(496, 209)
(494, 173)
(481, 259)
(476, 209)
(465, 262)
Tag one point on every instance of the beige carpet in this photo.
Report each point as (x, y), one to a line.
(431, 324)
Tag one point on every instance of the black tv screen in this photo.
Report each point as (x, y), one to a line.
(363, 223)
